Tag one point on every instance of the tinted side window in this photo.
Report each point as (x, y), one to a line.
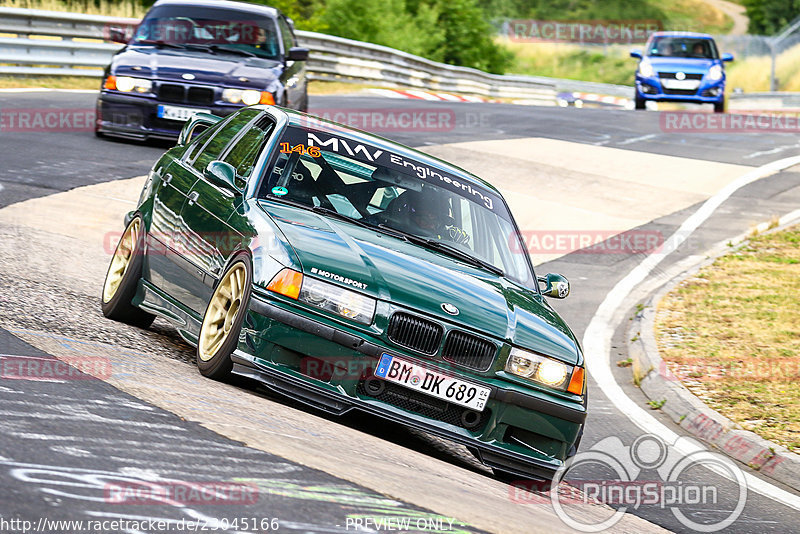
(244, 153)
(286, 34)
(217, 144)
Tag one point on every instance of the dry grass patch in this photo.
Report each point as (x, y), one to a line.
(49, 82)
(732, 335)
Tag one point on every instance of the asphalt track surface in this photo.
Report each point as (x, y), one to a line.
(48, 473)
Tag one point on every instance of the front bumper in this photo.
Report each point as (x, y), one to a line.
(136, 117)
(708, 92)
(524, 434)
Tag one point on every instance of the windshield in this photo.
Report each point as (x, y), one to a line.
(217, 30)
(690, 47)
(395, 193)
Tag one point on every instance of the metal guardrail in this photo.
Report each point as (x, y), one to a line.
(56, 43)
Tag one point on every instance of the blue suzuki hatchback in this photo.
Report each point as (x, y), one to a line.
(199, 56)
(681, 67)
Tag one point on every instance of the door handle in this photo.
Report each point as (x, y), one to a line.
(167, 178)
(193, 196)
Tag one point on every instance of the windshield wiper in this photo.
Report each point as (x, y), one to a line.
(202, 47)
(238, 51)
(160, 44)
(449, 250)
(469, 258)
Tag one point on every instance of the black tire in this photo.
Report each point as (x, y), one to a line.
(719, 107)
(218, 365)
(116, 304)
(639, 102)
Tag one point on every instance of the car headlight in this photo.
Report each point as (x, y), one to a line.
(127, 84)
(248, 97)
(547, 371)
(329, 297)
(645, 69)
(338, 300)
(715, 73)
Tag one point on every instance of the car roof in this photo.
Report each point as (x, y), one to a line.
(297, 118)
(225, 4)
(695, 35)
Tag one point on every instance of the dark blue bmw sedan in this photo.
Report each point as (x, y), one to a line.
(681, 67)
(199, 56)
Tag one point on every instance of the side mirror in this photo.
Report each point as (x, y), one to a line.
(636, 53)
(222, 175)
(117, 35)
(297, 53)
(727, 57)
(555, 286)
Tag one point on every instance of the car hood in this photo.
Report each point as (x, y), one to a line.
(211, 69)
(413, 277)
(690, 65)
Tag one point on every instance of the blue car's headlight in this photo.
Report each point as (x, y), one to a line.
(646, 69)
(127, 84)
(715, 73)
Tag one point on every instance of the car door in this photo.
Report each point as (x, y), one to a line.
(165, 236)
(209, 240)
(294, 76)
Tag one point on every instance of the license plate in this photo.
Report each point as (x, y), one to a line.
(669, 83)
(419, 378)
(176, 113)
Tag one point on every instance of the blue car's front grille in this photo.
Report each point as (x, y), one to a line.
(169, 92)
(688, 75)
(686, 92)
(181, 94)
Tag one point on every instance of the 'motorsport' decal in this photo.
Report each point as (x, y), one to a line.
(338, 278)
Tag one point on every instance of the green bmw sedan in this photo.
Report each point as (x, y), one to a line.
(350, 272)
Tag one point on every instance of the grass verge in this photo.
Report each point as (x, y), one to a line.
(732, 335)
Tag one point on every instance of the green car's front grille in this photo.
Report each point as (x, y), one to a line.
(415, 333)
(468, 350)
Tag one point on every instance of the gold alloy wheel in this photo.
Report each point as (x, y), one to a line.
(121, 260)
(222, 311)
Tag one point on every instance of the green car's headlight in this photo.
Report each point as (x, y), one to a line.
(338, 300)
(547, 371)
(126, 84)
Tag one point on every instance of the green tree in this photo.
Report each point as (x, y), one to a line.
(768, 17)
(469, 37)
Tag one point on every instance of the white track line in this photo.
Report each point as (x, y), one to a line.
(597, 339)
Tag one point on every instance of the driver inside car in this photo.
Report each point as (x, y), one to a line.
(425, 213)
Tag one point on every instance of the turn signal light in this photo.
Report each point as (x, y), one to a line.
(577, 381)
(267, 98)
(111, 83)
(287, 283)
